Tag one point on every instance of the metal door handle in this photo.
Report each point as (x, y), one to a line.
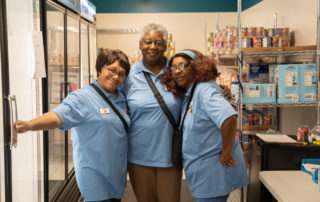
(13, 119)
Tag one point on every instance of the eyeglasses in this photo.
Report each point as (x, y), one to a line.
(113, 72)
(180, 66)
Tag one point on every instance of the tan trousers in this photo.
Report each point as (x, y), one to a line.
(153, 184)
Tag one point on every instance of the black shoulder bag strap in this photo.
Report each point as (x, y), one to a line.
(111, 105)
(160, 100)
(187, 107)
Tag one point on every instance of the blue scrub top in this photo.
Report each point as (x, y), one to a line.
(99, 142)
(150, 136)
(202, 144)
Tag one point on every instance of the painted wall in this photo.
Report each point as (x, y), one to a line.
(187, 28)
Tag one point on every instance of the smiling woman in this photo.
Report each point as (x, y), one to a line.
(215, 168)
(96, 130)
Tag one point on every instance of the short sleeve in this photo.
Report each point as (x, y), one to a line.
(216, 106)
(72, 111)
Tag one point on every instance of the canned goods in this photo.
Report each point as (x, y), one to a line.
(260, 32)
(246, 43)
(210, 36)
(243, 32)
(283, 43)
(231, 45)
(245, 120)
(251, 31)
(270, 32)
(266, 42)
(303, 133)
(250, 118)
(285, 31)
(256, 120)
(257, 42)
(276, 32)
(275, 41)
(225, 32)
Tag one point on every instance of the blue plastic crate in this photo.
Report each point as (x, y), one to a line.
(311, 161)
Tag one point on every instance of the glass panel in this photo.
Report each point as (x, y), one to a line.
(73, 67)
(84, 55)
(93, 52)
(55, 44)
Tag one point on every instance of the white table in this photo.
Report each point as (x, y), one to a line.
(290, 186)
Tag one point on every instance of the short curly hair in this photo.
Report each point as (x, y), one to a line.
(156, 28)
(109, 56)
(205, 69)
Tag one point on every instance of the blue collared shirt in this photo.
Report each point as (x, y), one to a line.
(150, 136)
(202, 144)
(99, 142)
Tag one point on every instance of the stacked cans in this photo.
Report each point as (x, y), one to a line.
(256, 120)
(257, 37)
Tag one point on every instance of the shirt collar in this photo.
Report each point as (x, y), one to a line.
(120, 96)
(189, 90)
(140, 66)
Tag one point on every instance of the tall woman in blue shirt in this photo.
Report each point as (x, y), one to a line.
(212, 156)
(98, 136)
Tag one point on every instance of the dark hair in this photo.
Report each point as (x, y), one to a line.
(109, 56)
(205, 69)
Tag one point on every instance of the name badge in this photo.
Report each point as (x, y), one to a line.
(104, 111)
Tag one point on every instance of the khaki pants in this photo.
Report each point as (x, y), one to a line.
(153, 184)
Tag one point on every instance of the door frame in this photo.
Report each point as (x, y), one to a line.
(5, 104)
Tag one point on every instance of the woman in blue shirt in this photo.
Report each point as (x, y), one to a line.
(98, 135)
(212, 156)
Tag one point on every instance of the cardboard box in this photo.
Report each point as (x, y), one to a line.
(308, 82)
(288, 83)
(258, 73)
(258, 93)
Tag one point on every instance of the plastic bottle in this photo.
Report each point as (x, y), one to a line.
(235, 90)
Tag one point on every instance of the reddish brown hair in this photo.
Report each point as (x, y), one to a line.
(205, 69)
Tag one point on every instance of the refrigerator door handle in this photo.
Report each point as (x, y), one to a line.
(13, 119)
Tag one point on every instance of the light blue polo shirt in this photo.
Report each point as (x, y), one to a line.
(99, 142)
(150, 136)
(202, 144)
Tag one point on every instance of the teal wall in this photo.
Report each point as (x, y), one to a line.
(164, 6)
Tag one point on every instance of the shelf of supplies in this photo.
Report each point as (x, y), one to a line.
(300, 104)
(229, 67)
(252, 132)
(282, 53)
(274, 51)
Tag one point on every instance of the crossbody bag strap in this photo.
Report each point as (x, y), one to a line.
(160, 100)
(111, 105)
(187, 107)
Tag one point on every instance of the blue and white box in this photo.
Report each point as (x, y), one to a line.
(258, 73)
(258, 93)
(288, 83)
(308, 82)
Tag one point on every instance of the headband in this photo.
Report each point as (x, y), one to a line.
(188, 53)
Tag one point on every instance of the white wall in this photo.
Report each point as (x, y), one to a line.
(187, 28)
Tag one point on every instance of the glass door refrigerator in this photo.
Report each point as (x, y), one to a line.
(71, 55)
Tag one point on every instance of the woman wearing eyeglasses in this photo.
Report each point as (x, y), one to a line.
(212, 156)
(98, 134)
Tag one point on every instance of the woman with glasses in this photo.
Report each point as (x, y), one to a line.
(98, 134)
(212, 156)
(152, 174)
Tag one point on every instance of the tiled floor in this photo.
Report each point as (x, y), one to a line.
(185, 195)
